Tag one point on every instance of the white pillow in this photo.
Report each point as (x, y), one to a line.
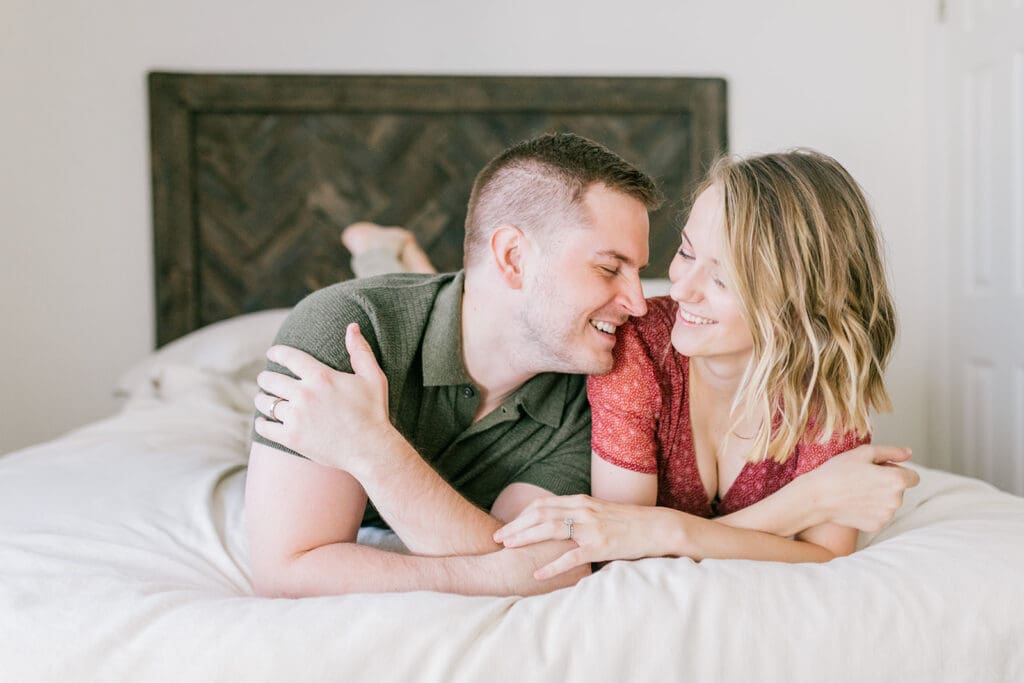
(233, 347)
(655, 287)
(236, 347)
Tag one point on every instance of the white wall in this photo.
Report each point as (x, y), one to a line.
(845, 76)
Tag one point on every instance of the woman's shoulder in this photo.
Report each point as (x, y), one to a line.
(643, 351)
(654, 328)
(649, 334)
(661, 313)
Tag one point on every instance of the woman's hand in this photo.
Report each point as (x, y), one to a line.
(863, 488)
(337, 419)
(602, 530)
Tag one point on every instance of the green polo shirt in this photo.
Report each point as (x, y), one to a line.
(540, 435)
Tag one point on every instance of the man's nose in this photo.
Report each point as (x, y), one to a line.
(633, 297)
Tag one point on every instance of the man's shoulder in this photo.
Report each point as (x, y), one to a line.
(394, 307)
(371, 301)
(380, 290)
(558, 400)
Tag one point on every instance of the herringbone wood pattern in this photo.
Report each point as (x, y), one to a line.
(275, 190)
(254, 175)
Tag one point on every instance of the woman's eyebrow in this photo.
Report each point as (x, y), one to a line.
(683, 233)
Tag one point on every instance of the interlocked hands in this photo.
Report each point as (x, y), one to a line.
(601, 529)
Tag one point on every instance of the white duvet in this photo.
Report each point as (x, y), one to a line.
(123, 558)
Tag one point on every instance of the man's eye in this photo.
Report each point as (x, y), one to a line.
(610, 271)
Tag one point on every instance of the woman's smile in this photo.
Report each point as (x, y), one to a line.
(693, 319)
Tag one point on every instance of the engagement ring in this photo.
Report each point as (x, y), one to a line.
(273, 406)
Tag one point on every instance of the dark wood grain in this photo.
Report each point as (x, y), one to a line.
(254, 176)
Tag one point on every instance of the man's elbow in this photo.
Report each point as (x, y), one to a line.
(274, 581)
(290, 579)
(268, 588)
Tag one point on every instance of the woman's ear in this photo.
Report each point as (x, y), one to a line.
(508, 246)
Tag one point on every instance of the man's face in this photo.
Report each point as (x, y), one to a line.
(585, 284)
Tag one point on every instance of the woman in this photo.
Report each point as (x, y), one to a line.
(761, 365)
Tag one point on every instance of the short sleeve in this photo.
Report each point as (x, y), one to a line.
(625, 404)
(564, 469)
(811, 454)
(317, 326)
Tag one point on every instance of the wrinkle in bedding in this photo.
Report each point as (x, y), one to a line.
(123, 557)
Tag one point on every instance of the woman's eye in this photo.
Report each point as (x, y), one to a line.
(721, 285)
(686, 256)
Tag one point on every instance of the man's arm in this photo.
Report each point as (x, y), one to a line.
(340, 421)
(426, 512)
(303, 518)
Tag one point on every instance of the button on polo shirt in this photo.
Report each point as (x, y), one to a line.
(539, 435)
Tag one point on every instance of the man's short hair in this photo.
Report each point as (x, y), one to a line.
(539, 184)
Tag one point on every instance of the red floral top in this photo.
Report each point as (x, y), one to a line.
(642, 423)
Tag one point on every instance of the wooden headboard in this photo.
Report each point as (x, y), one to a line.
(254, 176)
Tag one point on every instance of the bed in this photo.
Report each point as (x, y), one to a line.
(122, 545)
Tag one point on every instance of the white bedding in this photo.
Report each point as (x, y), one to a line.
(123, 558)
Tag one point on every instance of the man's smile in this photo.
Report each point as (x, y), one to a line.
(603, 326)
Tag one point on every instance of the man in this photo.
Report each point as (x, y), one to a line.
(454, 400)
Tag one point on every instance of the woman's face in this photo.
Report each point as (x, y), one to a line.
(708, 323)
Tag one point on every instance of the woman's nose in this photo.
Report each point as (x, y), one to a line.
(685, 285)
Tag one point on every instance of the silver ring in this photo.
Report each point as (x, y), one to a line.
(568, 523)
(273, 406)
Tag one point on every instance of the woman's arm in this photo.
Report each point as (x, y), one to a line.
(861, 488)
(619, 485)
(700, 539)
(604, 531)
(625, 524)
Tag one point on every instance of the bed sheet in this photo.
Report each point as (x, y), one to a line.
(123, 557)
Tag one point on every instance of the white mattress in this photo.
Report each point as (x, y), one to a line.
(123, 558)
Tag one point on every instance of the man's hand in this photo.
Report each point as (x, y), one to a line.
(333, 418)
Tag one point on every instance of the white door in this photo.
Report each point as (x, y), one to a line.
(985, 245)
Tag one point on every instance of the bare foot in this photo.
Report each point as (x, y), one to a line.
(361, 237)
(364, 236)
(415, 259)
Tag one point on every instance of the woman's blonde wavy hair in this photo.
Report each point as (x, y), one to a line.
(805, 260)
